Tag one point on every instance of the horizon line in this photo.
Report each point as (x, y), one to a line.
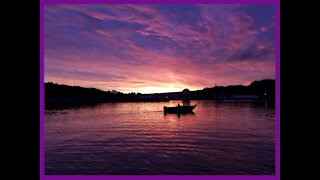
(157, 92)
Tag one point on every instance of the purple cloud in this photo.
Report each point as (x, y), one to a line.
(164, 47)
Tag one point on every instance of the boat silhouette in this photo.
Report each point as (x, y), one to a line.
(179, 109)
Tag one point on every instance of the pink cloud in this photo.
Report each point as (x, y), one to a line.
(198, 64)
(264, 29)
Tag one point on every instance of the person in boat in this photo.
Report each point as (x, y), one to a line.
(186, 97)
(186, 102)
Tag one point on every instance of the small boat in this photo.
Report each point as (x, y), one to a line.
(179, 109)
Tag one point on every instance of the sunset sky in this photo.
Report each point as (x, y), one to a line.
(159, 48)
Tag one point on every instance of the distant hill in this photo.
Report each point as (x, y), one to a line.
(265, 89)
(56, 90)
(63, 95)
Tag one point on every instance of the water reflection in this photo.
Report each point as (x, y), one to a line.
(179, 114)
(223, 137)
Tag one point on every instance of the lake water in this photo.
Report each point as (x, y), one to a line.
(220, 138)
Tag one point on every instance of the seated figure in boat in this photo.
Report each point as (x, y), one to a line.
(186, 103)
(186, 97)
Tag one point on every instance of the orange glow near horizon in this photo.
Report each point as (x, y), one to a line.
(161, 88)
(153, 90)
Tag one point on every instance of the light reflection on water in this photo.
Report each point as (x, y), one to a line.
(220, 138)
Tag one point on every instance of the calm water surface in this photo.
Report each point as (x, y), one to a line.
(220, 138)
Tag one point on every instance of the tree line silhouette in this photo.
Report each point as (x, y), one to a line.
(264, 89)
(63, 95)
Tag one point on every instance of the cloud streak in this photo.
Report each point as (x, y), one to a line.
(158, 48)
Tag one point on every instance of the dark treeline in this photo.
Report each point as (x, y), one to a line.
(56, 90)
(264, 89)
(64, 95)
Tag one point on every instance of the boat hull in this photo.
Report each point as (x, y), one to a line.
(181, 109)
